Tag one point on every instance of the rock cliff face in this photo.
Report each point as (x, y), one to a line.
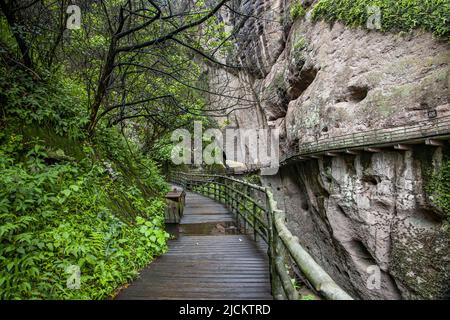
(314, 80)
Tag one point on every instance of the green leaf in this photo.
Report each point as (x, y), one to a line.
(10, 265)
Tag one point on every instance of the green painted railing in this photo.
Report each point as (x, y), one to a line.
(255, 211)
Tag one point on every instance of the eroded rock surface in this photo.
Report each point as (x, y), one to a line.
(314, 80)
(356, 212)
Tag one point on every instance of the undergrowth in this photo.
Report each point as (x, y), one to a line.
(66, 200)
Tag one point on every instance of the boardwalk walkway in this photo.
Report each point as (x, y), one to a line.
(208, 260)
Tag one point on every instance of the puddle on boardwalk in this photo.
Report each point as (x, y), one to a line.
(209, 228)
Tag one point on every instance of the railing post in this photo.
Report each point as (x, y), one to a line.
(245, 211)
(223, 190)
(238, 212)
(233, 199)
(254, 221)
(217, 182)
(245, 217)
(226, 192)
(217, 189)
(277, 290)
(235, 208)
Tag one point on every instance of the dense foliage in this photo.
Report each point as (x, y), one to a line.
(58, 216)
(85, 117)
(396, 15)
(68, 201)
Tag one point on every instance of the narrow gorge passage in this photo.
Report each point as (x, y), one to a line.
(311, 137)
(207, 260)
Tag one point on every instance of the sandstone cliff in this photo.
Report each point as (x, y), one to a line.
(315, 80)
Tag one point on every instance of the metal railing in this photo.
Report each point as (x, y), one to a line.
(428, 128)
(243, 199)
(255, 211)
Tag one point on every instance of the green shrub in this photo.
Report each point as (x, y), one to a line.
(52, 217)
(297, 10)
(55, 102)
(66, 200)
(396, 15)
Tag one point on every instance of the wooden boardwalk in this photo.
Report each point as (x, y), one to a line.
(208, 260)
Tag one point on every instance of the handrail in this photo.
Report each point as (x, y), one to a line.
(426, 128)
(269, 224)
(321, 281)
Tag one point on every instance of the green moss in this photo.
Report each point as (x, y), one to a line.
(278, 82)
(379, 105)
(396, 15)
(435, 179)
(254, 179)
(439, 188)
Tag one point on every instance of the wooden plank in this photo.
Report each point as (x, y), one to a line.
(205, 266)
(430, 131)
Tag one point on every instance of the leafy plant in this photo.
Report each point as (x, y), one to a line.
(254, 179)
(52, 102)
(52, 217)
(297, 10)
(99, 207)
(294, 283)
(396, 15)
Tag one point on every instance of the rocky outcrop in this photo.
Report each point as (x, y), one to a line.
(354, 213)
(314, 80)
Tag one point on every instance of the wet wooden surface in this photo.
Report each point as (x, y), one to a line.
(208, 260)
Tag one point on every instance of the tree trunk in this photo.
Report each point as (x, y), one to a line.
(13, 23)
(105, 77)
(102, 86)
